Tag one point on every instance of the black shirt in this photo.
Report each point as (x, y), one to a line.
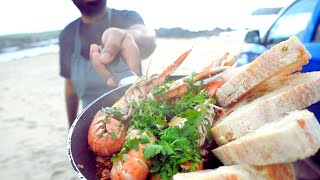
(91, 34)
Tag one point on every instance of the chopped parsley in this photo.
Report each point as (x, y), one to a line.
(160, 89)
(115, 111)
(113, 135)
(174, 146)
(284, 48)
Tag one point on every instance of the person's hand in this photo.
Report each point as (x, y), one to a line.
(100, 67)
(116, 41)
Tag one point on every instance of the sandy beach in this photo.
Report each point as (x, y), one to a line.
(34, 127)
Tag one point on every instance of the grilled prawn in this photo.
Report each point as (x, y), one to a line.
(106, 135)
(132, 165)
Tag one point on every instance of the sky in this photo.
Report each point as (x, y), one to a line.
(19, 16)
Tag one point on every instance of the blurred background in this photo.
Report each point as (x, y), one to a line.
(33, 122)
(37, 23)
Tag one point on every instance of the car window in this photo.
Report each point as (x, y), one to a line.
(292, 22)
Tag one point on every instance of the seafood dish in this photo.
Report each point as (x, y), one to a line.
(247, 117)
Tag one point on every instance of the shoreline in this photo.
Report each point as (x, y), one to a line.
(28, 52)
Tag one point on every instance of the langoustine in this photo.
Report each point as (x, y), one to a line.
(106, 135)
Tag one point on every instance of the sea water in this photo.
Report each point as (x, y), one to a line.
(34, 49)
(19, 54)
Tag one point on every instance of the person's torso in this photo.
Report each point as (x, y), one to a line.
(88, 84)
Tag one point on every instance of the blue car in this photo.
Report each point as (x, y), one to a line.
(301, 19)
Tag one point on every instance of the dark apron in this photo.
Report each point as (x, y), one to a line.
(89, 85)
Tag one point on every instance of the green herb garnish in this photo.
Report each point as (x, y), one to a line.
(284, 48)
(116, 111)
(113, 135)
(173, 146)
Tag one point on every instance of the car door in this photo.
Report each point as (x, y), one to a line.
(312, 41)
(300, 19)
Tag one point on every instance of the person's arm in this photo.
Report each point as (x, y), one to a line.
(145, 39)
(72, 101)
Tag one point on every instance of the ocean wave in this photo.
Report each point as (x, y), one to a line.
(15, 54)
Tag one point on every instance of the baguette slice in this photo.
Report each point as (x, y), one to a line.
(284, 58)
(242, 172)
(297, 92)
(295, 137)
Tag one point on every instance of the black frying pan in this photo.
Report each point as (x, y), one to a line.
(77, 142)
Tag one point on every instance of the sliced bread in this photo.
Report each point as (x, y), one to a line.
(297, 92)
(284, 58)
(295, 137)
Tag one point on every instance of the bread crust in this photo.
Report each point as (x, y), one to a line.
(239, 172)
(284, 58)
(295, 137)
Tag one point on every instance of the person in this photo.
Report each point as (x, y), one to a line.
(89, 70)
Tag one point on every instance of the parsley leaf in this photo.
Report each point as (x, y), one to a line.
(144, 139)
(113, 135)
(174, 146)
(151, 150)
(133, 144)
(109, 110)
(166, 149)
(194, 119)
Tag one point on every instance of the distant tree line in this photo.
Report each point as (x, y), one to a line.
(29, 40)
(26, 40)
(183, 33)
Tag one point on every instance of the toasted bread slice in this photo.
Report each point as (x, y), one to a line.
(295, 137)
(297, 92)
(284, 58)
(242, 172)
